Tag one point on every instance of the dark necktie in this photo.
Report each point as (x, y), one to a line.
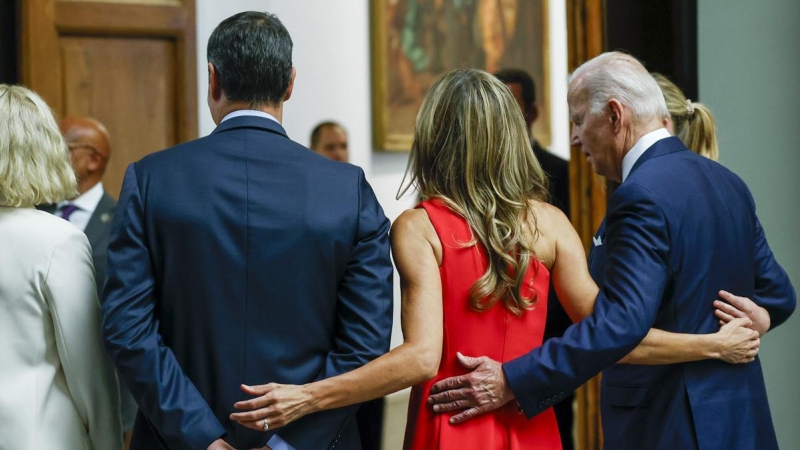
(67, 211)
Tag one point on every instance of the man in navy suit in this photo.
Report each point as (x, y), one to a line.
(240, 258)
(678, 230)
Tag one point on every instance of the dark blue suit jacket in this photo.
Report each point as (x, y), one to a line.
(679, 229)
(243, 257)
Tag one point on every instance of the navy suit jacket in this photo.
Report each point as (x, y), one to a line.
(243, 257)
(98, 230)
(679, 229)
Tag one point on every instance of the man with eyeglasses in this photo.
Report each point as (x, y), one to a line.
(93, 209)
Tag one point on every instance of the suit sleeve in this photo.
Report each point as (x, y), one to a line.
(166, 396)
(773, 289)
(364, 317)
(70, 292)
(636, 275)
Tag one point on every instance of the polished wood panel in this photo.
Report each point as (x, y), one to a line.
(39, 58)
(588, 197)
(101, 73)
(128, 63)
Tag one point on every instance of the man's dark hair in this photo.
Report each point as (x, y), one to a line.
(316, 133)
(252, 54)
(519, 76)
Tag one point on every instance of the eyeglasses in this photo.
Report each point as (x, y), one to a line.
(73, 147)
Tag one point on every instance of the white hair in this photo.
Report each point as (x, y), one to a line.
(34, 159)
(615, 75)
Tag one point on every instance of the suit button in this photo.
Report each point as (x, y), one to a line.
(542, 404)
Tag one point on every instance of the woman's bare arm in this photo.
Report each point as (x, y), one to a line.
(414, 248)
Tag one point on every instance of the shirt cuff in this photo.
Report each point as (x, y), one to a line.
(277, 443)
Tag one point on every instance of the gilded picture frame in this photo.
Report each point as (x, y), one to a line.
(413, 42)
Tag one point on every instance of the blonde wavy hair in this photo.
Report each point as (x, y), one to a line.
(34, 159)
(471, 150)
(693, 122)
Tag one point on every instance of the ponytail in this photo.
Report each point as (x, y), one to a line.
(699, 131)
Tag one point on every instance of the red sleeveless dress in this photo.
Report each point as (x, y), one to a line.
(496, 333)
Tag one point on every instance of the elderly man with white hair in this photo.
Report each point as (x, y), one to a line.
(679, 229)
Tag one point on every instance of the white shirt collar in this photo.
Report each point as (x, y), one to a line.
(248, 112)
(641, 146)
(87, 201)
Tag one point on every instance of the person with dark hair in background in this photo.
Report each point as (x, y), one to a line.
(523, 88)
(244, 257)
(329, 139)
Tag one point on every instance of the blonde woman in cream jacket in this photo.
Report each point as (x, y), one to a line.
(58, 389)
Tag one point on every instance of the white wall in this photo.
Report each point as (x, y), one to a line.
(748, 64)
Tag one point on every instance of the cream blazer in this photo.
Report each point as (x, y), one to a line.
(58, 388)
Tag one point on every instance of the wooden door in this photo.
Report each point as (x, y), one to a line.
(588, 195)
(128, 63)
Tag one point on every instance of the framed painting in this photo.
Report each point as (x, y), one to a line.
(413, 42)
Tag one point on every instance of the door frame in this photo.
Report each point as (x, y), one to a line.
(43, 21)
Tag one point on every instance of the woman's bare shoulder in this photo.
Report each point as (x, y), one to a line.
(550, 225)
(415, 224)
(412, 220)
(549, 219)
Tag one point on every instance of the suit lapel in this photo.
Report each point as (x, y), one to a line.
(101, 218)
(598, 256)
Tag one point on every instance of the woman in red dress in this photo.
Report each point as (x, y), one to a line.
(475, 260)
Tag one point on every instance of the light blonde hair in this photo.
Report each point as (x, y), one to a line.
(693, 122)
(471, 150)
(34, 159)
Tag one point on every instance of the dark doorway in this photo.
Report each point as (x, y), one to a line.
(661, 34)
(8, 42)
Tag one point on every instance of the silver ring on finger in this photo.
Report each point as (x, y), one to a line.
(265, 425)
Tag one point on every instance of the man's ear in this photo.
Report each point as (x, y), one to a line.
(289, 89)
(214, 87)
(615, 115)
(667, 123)
(95, 162)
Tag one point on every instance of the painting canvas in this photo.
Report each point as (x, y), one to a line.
(415, 41)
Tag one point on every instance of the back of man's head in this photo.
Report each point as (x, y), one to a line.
(525, 81)
(252, 54)
(616, 75)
